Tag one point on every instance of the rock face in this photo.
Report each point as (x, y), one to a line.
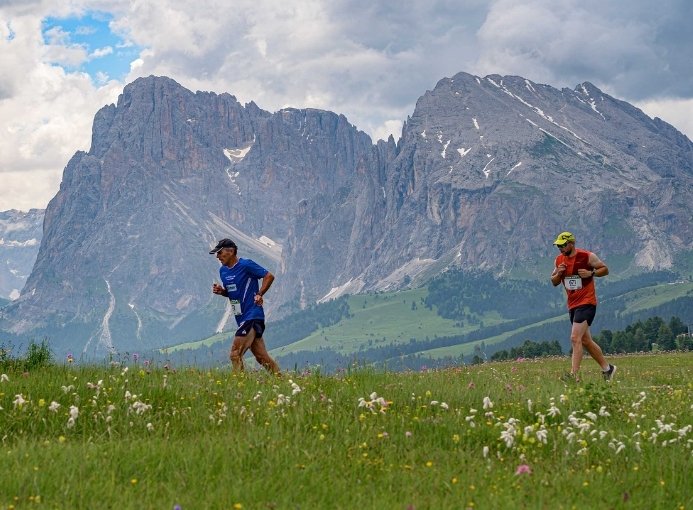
(486, 172)
(20, 237)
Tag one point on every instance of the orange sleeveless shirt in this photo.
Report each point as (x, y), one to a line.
(587, 294)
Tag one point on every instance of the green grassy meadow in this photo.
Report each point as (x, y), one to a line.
(496, 435)
(382, 319)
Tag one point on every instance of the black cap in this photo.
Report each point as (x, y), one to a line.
(224, 243)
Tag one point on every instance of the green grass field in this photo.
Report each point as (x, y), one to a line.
(380, 319)
(497, 435)
(467, 349)
(650, 297)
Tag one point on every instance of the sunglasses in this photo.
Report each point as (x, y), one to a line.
(560, 246)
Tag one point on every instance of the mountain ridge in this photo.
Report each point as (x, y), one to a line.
(486, 171)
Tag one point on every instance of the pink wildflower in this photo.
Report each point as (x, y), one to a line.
(523, 469)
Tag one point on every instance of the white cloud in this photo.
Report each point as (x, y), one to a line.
(44, 184)
(678, 112)
(101, 52)
(370, 62)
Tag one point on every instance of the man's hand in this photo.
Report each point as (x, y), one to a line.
(218, 289)
(258, 299)
(557, 274)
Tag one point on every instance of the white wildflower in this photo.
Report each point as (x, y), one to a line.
(19, 401)
(74, 414)
(54, 406)
(434, 402)
(542, 435)
(487, 403)
(563, 399)
(295, 388)
(529, 405)
(508, 435)
(584, 426)
(4, 378)
(603, 411)
(150, 427)
(553, 410)
(485, 451)
(664, 427)
(140, 407)
(375, 404)
(67, 389)
(282, 399)
(591, 416)
(443, 405)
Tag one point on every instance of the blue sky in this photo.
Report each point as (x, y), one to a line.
(61, 61)
(108, 54)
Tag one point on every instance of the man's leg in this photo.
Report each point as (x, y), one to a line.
(576, 334)
(259, 350)
(239, 347)
(594, 349)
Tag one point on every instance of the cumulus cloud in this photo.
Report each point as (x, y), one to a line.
(370, 62)
(627, 48)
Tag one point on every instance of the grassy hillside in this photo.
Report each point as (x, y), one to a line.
(476, 313)
(380, 319)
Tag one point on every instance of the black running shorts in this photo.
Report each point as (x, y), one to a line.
(583, 313)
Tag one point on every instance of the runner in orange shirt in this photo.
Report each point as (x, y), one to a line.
(576, 269)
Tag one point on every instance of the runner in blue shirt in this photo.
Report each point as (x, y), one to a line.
(239, 282)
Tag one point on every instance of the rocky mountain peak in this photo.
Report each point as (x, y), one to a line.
(486, 171)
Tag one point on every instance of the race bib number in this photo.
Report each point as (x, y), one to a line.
(236, 307)
(572, 282)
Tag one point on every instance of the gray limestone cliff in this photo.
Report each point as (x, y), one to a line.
(486, 172)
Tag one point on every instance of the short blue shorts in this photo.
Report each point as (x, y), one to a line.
(256, 324)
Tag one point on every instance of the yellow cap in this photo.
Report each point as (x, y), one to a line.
(564, 237)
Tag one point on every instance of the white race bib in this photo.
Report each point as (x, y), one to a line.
(572, 282)
(236, 307)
